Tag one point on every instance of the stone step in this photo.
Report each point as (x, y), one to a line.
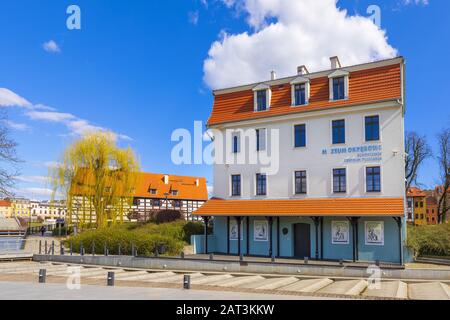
(308, 285)
(207, 280)
(178, 278)
(146, 276)
(387, 289)
(347, 287)
(270, 284)
(241, 280)
(429, 291)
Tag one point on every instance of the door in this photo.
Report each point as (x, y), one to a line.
(302, 240)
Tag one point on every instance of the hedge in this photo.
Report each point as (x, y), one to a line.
(431, 240)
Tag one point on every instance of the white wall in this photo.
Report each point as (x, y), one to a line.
(318, 166)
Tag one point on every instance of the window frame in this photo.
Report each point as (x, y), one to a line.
(232, 194)
(365, 128)
(332, 132)
(268, 93)
(256, 185)
(305, 133)
(366, 177)
(301, 80)
(258, 147)
(305, 192)
(345, 180)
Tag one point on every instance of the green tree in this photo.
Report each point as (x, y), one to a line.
(95, 172)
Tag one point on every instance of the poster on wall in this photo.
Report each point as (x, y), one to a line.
(260, 230)
(234, 230)
(340, 232)
(374, 231)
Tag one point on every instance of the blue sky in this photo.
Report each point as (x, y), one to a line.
(137, 68)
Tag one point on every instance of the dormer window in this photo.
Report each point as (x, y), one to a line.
(174, 192)
(299, 94)
(339, 85)
(261, 97)
(152, 191)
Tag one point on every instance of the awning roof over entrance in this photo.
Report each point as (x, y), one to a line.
(304, 207)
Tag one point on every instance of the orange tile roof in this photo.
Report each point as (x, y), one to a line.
(5, 203)
(308, 207)
(416, 192)
(365, 86)
(186, 187)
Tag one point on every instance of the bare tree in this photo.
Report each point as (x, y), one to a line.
(417, 150)
(8, 159)
(444, 165)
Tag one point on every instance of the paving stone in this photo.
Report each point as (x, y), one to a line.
(348, 287)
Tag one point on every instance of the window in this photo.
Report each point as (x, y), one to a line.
(156, 203)
(416, 204)
(339, 88)
(174, 192)
(421, 204)
(152, 191)
(339, 181)
(372, 128)
(261, 184)
(261, 100)
(177, 203)
(260, 139)
(373, 179)
(300, 182)
(299, 94)
(300, 135)
(338, 128)
(236, 146)
(236, 185)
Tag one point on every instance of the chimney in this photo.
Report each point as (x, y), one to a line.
(335, 63)
(197, 182)
(166, 179)
(273, 75)
(302, 70)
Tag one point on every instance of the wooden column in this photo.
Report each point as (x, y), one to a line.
(206, 219)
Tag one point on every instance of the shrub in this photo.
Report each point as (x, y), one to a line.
(165, 216)
(429, 240)
(147, 239)
(192, 228)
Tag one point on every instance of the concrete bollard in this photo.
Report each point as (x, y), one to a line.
(187, 281)
(45, 248)
(273, 259)
(341, 262)
(182, 255)
(110, 279)
(40, 246)
(241, 257)
(377, 263)
(211, 256)
(61, 249)
(81, 249)
(53, 248)
(42, 275)
(306, 260)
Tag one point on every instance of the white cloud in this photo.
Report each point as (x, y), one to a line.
(51, 46)
(418, 2)
(11, 99)
(288, 33)
(193, 17)
(41, 112)
(15, 125)
(33, 179)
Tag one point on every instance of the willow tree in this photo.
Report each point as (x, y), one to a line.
(93, 168)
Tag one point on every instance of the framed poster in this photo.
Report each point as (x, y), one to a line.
(374, 233)
(260, 231)
(234, 230)
(340, 232)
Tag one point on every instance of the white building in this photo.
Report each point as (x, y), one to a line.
(328, 182)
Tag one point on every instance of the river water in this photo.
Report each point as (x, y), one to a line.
(11, 244)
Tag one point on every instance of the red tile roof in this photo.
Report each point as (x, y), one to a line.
(416, 192)
(5, 203)
(369, 85)
(308, 207)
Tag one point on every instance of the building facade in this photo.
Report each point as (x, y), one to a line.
(153, 193)
(416, 200)
(328, 179)
(5, 209)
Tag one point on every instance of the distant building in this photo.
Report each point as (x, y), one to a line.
(153, 192)
(431, 210)
(416, 206)
(20, 207)
(48, 210)
(5, 209)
